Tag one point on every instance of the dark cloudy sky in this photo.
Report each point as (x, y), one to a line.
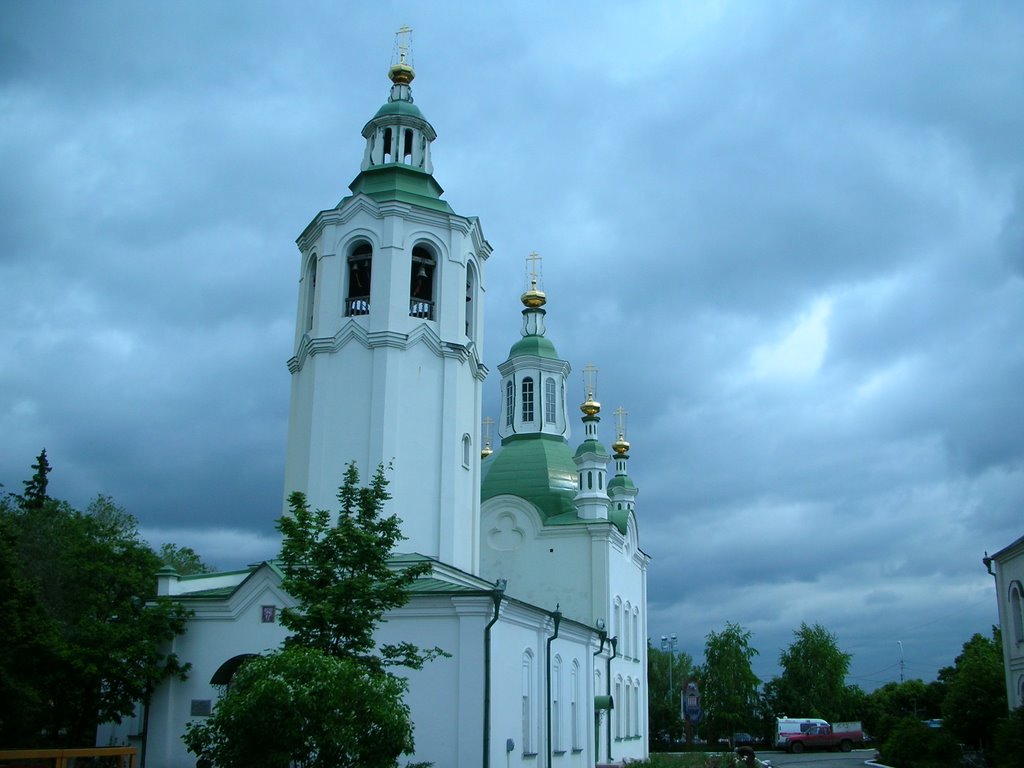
(790, 235)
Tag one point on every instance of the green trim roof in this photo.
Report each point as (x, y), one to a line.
(396, 181)
(539, 346)
(399, 107)
(538, 468)
(621, 481)
(590, 445)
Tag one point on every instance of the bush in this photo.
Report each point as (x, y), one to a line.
(912, 744)
(303, 708)
(1008, 747)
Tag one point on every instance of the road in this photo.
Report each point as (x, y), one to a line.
(817, 759)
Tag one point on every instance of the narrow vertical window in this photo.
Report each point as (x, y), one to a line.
(627, 711)
(1017, 612)
(360, 268)
(619, 708)
(470, 296)
(549, 401)
(467, 446)
(421, 284)
(407, 147)
(574, 711)
(310, 292)
(387, 145)
(510, 403)
(527, 399)
(528, 742)
(636, 707)
(556, 705)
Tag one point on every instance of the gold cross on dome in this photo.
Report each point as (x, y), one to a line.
(620, 416)
(590, 379)
(533, 268)
(403, 42)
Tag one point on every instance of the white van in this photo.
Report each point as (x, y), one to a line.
(789, 726)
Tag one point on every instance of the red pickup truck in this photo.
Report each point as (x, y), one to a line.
(825, 737)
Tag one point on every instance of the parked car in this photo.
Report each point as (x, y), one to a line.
(742, 740)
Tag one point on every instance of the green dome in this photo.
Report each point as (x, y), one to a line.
(536, 467)
(592, 446)
(399, 107)
(621, 481)
(539, 346)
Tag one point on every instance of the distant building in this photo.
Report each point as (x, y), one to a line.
(1007, 565)
(539, 587)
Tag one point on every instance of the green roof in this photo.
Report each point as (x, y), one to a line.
(538, 468)
(539, 346)
(590, 445)
(396, 181)
(621, 481)
(400, 107)
(619, 518)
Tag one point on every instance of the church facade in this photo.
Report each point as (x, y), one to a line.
(537, 587)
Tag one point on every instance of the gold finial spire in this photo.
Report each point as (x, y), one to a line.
(621, 445)
(590, 406)
(534, 298)
(487, 438)
(401, 72)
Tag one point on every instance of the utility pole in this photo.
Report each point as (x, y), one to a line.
(900, 644)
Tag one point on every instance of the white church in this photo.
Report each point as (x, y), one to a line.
(538, 583)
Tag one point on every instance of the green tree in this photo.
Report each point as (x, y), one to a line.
(729, 692)
(976, 691)
(664, 703)
(303, 707)
(340, 572)
(887, 706)
(813, 679)
(82, 645)
(184, 560)
(1009, 740)
(912, 744)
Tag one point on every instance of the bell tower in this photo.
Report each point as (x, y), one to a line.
(387, 366)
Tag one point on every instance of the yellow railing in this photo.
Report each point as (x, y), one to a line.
(125, 756)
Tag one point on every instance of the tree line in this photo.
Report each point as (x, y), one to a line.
(969, 698)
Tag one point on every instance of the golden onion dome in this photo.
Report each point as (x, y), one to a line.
(620, 446)
(533, 298)
(486, 451)
(401, 73)
(591, 407)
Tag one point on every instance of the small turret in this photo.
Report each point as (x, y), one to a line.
(591, 458)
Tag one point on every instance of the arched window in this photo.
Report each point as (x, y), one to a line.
(556, 704)
(527, 399)
(1017, 611)
(407, 147)
(421, 283)
(226, 671)
(510, 403)
(636, 632)
(636, 707)
(529, 697)
(619, 708)
(470, 299)
(627, 636)
(467, 447)
(310, 302)
(387, 146)
(627, 711)
(574, 708)
(549, 401)
(360, 269)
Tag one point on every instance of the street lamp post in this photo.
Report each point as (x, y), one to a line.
(669, 643)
